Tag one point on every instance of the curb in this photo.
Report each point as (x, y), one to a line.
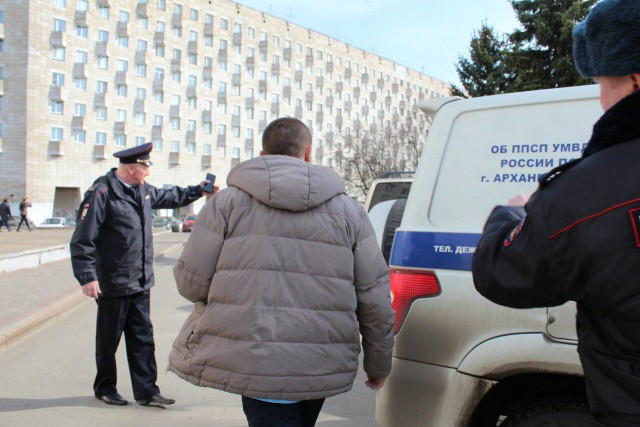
(55, 311)
(36, 257)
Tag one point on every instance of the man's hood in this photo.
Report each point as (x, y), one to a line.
(284, 182)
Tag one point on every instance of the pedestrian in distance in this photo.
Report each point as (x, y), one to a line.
(578, 236)
(5, 213)
(25, 204)
(285, 274)
(112, 258)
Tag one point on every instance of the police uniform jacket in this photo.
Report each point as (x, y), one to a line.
(113, 240)
(578, 239)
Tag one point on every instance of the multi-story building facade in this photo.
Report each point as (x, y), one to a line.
(81, 79)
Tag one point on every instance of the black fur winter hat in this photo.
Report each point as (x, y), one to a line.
(607, 43)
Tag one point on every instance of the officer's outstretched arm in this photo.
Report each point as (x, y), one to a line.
(90, 218)
(199, 259)
(174, 197)
(514, 263)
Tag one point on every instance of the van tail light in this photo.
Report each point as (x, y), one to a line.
(406, 287)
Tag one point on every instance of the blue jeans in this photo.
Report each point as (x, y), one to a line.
(266, 414)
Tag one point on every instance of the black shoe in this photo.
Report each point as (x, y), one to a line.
(113, 399)
(155, 400)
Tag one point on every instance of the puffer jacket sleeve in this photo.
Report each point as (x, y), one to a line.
(199, 259)
(375, 315)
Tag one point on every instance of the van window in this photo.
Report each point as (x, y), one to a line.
(389, 191)
(494, 154)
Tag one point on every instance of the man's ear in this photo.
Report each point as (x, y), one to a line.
(307, 154)
(636, 81)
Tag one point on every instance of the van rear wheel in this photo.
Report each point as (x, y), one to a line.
(557, 413)
(393, 221)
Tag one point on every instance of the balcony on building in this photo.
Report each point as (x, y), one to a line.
(248, 144)
(249, 102)
(339, 87)
(79, 70)
(221, 141)
(348, 106)
(174, 111)
(102, 3)
(275, 69)
(58, 39)
(222, 55)
(339, 121)
(156, 132)
(158, 85)
(287, 54)
(55, 148)
(251, 62)
(394, 88)
(206, 116)
(206, 161)
(158, 38)
(236, 120)
(373, 96)
(380, 83)
(264, 47)
(140, 58)
(348, 72)
(192, 46)
(100, 152)
(373, 128)
(174, 158)
(365, 110)
(329, 67)
(275, 108)
(208, 29)
(121, 29)
(309, 96)
(380, 114)
(176, 20)
(286, 91)
(298, 76)
(262, 125)
(329, 101)
(356, 92)
(328, 136)
(138, 106)
(190, 137)
(409, 93)
(365, 78)
(80, 19)
(320, 117)
(55, 93)
(308, 61)
(121, 78)
(222, 97)
(395, 118)
(141, 10)
(77, 122)
(101, 49)
(236, 79)
(298, 113)
(237, 39)
(100, 100)
(262, 85)
(192, 92)
(207, 73)
(387, 101)
(119, 128)
(176, 65)
(319, 81)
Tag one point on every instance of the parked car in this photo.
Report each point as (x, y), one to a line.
(176, 226)
(163, 222)
(189, 221)
(459, 359)
(390, 186)
(55, 222)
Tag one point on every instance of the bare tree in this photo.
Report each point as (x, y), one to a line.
(362, 156)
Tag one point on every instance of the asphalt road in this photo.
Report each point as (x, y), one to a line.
(47, 379)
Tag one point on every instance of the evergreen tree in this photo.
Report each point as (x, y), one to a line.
(540, 52)
(483, 73)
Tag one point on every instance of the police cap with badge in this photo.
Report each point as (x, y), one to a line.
(139, 154)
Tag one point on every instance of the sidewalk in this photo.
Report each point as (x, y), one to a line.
(12, 242)
(33, 297)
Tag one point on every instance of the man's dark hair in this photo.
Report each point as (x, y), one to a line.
(286, 137)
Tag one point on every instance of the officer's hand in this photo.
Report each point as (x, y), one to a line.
(374, 383)
(519, 200)
(91, 289)
(207, 194)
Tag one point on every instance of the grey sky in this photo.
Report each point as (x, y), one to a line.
(426, 35)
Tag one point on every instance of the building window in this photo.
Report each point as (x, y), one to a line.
(224, 24)
(59, 25)
(141, 93)
(81, 57)
(103, 12)
(57, 79)
(123, 16)
(82, 32)
(222, 151)
(121, 141)
(157, 120)
(83, 5)
(141, 70)
(79, 110)
(143, 23)
(194, 14)
(101, 113)
(57, 107)
(206, 149)
(175, 123)
(191, 148)
(139, 140)
(103, 62)
(191, 125)
(235, 153)
(60, 3)
(58, 53)
(121, 90)
(103, 36)
(162, 5)
(101, 138)
(79, 136)
(101, 86)
(56, 134)
(123, 41)
(157, 145)
(121, 115)
(175, 146)
(193, 58)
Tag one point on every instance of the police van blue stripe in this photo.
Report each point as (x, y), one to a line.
(447, 251)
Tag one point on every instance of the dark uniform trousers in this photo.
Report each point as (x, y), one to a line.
(128, 314)
(268, 414)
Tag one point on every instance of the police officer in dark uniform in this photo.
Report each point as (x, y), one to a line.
(112, 258)
(578, 237)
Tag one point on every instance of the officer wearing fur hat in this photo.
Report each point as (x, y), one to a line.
(112, 258)
(578, 237)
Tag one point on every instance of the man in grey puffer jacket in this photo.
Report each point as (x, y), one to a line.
(286, 275)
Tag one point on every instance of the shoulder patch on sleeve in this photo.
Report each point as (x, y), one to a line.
(85, 209)
(513, 234)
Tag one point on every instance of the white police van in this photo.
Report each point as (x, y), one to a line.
(460, 360)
